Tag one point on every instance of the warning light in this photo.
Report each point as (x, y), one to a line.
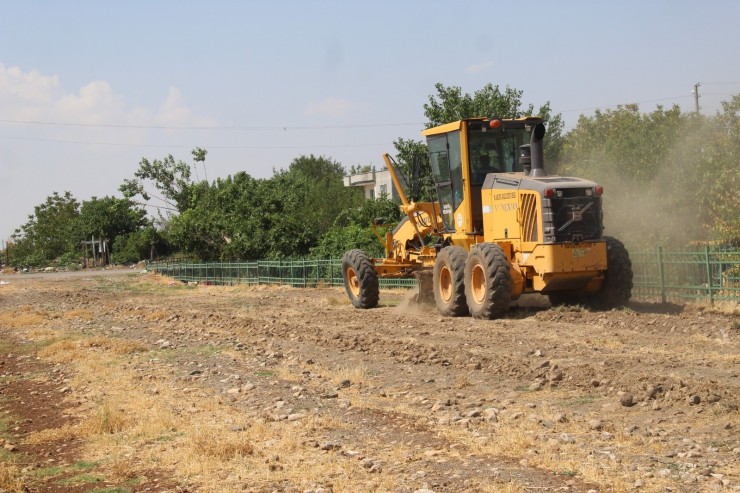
(549, 192)
(599, 190)
(494, 123)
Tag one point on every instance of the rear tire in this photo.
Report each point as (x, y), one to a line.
(360, 279)
(488, 283)
(616, 290)
(449, 282)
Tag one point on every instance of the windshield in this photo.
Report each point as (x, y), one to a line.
(494, 150)
(444, 156)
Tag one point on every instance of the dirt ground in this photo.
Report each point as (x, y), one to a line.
(134, 382)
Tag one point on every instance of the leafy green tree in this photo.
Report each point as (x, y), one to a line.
(670, 178)
(352, 229)
(368, 211)
(199, 156)
(451, 104)
(50, 232)
(172, 178)
(624, 141)
(144, 244)
(228, 220)
(338, 240)
(636, 157)
(109, 217)
(717, 176)
(284, 216)
(315, 185)
(310, 193)
(416, 172)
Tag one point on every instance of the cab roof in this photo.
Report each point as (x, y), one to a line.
(506, 122)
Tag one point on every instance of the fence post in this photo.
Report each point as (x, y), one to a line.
(662, 275)
(709, 275)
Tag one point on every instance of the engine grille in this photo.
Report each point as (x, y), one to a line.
(576, 219)
(528, 208)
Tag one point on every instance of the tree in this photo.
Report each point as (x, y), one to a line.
(170, 177)
(351, 229)
(199, 156)
(717, 174)
(670, 178)
(50, 232)
(312, 195)
(315, 184)
(413, 162)
(109, 218)
(146, 243)
(337, 241)
(225, 222)
(451, 104)
(241, 217)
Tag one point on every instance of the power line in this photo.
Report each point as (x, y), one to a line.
(175, 146)
(276, 127)
(213, 127)
(671, 98)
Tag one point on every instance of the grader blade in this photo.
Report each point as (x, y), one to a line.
(426, 291)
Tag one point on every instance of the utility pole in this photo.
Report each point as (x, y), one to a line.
(696, 96)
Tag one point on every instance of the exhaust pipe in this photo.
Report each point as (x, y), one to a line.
(537, 152)
(525, 158)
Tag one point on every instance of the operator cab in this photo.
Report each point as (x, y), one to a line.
(465, 152)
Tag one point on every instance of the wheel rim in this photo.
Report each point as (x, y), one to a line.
(445, 284)
(478, 283)
(353, 282)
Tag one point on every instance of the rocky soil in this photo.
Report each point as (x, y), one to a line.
(323, 397)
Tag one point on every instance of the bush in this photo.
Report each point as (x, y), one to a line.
(140, 245)
(339, 240)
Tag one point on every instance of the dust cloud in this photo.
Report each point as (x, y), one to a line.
(657, 207)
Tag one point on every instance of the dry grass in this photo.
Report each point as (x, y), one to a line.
(543, 449)
(213, 445)
(136, 416)
(356, 375)
(114, 345)
(122, 468)
(216, 442)
(462, 381)
(74, 347)
(51, 435)
(60, 351)
(107, 420)
(78, 314)
(21, 319)
(156, 315)
(10, 478)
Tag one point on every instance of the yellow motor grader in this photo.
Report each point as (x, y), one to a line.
(500, 227)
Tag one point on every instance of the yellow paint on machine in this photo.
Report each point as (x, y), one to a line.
(572, 266)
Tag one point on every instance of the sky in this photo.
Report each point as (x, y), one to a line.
(89, 88)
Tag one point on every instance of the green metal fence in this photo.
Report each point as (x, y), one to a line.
(296, 273)
(706, 275)
(659, 275)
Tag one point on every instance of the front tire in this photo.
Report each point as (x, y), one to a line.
(616, 290)
(488, 281)
(360, 279)
(449, 282)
